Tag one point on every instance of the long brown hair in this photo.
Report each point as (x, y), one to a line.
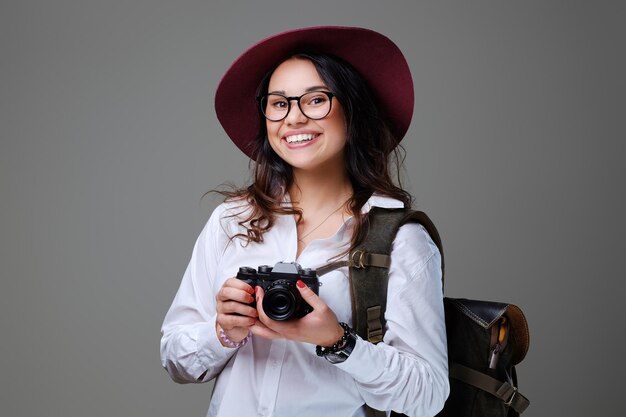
(372, 155)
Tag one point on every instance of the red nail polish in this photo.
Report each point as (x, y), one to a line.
(300, 284)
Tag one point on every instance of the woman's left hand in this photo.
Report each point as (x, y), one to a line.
(319, 327)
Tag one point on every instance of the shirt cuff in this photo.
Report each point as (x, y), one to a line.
(210, 352)
(363, 353)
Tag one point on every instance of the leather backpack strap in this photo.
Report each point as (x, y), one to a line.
(369, 267)
(506, 392)
(368, 283)
(357, 259)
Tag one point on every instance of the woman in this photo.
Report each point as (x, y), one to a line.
(331, 105)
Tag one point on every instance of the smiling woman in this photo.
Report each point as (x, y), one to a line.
(314, 144)
(332, 104)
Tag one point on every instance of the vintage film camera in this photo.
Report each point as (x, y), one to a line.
(282, 300)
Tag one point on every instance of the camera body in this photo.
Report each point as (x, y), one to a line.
(282, 300)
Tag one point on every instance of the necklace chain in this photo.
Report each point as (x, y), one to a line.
(301, 238)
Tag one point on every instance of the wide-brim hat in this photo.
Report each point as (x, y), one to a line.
(379, 61)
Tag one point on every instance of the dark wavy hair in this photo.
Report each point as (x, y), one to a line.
(372, 155)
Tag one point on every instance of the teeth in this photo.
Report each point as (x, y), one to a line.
(300, 138)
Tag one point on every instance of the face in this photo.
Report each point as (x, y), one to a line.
(303, 143)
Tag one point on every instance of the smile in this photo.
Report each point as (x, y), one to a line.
(301, 138)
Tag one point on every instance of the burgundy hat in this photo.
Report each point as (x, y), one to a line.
(379, 61)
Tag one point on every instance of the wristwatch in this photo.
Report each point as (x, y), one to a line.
(341, 354)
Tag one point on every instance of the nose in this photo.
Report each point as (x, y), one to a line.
(295, 115)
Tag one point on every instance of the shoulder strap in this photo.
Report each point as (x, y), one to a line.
(369, 265)
(505, 391)
(369, 272)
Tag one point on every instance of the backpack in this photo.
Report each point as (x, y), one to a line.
(485, 339)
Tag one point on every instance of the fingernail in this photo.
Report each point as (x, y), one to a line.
(300, 284)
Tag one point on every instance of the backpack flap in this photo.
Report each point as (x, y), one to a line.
(485, 341)
(488, 314)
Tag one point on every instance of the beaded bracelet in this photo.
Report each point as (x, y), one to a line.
(229, 343)
(323, 351)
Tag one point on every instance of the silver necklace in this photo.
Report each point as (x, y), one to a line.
(301, 238)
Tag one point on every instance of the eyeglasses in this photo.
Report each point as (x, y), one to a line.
(315, 105)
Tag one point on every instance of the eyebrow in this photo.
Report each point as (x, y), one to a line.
(308, 90)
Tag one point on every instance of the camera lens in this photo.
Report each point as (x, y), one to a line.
(280, 303)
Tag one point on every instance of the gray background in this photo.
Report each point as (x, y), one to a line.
(109, 140)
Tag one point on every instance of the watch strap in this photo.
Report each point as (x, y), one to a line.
(341, 350)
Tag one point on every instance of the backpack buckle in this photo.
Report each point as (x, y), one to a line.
(510, 401)
(374, 325)
(356, 258)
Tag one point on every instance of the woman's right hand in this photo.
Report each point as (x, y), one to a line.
(235, 315)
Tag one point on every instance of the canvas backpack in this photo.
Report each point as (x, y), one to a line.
(485, 339)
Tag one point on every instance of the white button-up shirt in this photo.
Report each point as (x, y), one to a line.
(407, 372)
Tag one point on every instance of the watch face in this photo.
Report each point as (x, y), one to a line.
(336, 357)
(344, 353)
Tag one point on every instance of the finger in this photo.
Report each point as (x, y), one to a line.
(309, 296)
(227, 293)
(259, 304)
(231, 321)
(259, 329)
(260, 293)
(237, 283)
(233, 307)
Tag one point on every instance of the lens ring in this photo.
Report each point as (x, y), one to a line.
(279, 302)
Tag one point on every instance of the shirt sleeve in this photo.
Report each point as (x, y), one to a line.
(190, 349)
(408, 371)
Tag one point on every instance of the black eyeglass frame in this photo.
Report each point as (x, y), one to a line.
(297, 99)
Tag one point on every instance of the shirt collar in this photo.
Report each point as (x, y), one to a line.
(381, 201)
